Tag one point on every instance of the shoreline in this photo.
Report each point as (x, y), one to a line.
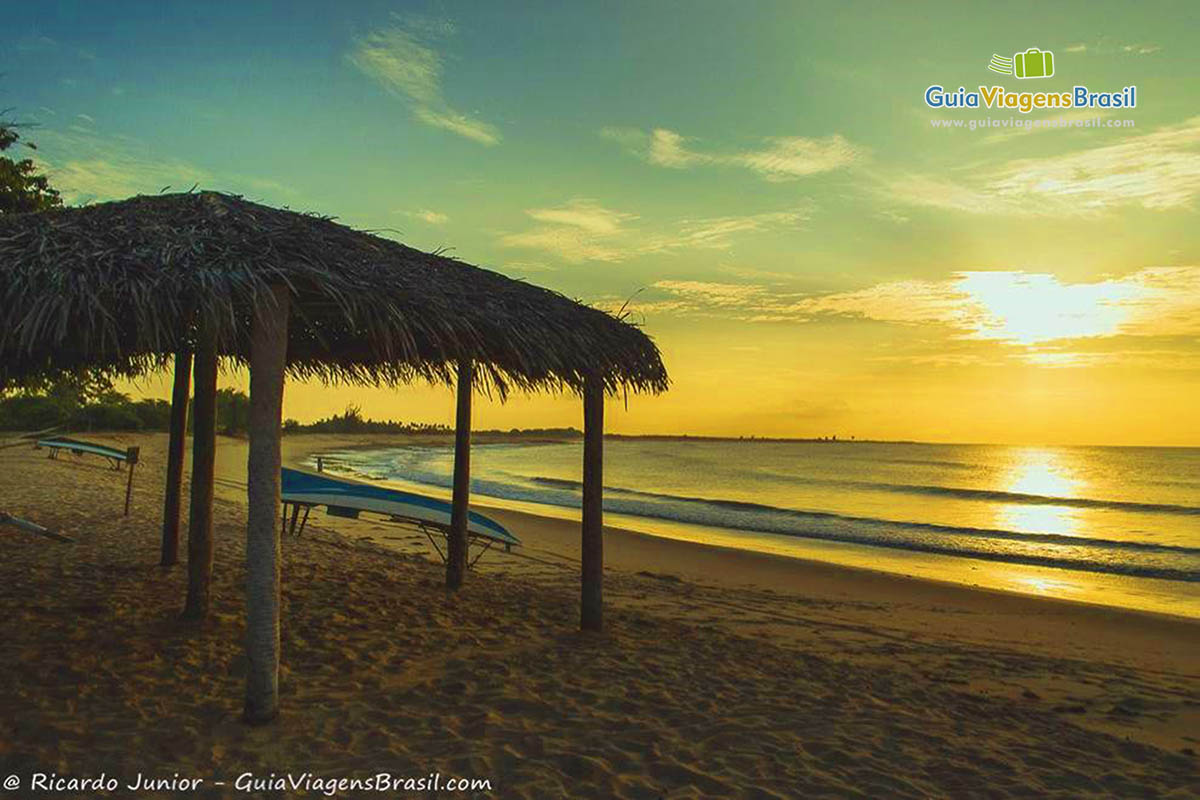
(295, 454)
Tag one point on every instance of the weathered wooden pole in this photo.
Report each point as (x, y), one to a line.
(131, 460)
(592, 549)
(456, 550)
(268, 362)
(204, 454)
(173, 498)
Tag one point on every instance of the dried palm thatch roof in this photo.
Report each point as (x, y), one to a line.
(128, 282)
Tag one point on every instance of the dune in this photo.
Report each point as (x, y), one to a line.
(719, 674)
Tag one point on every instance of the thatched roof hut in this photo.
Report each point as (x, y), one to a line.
(124, 279)
(129, 285)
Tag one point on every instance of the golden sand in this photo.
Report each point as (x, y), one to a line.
(720, 674)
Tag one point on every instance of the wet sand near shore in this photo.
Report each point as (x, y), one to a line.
(720, 674)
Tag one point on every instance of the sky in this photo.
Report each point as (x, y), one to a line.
(815, 250)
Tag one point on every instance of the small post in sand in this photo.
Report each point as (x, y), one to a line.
(173, 498)
(131, 458)
(456, 546)
(592, 549)
(268, 362)
(204, 452)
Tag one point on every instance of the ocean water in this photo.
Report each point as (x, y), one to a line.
(1103, 524)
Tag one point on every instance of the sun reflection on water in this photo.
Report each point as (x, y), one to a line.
(1048, 586)
(1046, 474)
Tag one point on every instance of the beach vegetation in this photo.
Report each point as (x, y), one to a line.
(22, 186)
(88, 402)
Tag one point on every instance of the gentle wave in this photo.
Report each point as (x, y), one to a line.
(990, 533)
(1138, 558)
(1022, 498)
(1079, 553)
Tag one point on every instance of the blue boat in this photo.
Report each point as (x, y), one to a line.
(343, 498)
(116, 457)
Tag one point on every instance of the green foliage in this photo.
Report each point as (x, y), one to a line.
(548, 433)
(25, 412)
(62, 397)
(120, 416)
(69, 388)
(78, 400)
(352, 421)
(84, 401)
(21, 187)
(233, 412)
(153, 415)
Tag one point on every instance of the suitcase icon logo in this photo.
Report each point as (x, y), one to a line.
(1033, 63)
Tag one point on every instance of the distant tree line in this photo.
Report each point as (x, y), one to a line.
(352, 421)
(82, 401)
(87, 401)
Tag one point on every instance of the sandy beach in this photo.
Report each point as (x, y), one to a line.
(720, 674)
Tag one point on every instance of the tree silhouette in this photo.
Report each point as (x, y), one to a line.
(21, 187)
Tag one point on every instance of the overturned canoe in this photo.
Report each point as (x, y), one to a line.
(343, 498)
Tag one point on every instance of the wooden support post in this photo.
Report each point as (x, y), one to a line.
(204, 453)
(456, 555)
(592, 549)
(268, 362)
(131, 458)
(173, 497)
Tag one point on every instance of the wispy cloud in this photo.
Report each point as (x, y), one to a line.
(950, 194)
(1141, 49)
(403, 61)
(427, 215)
(778, 159)
(793, 157)
(1109, 47)
(1158, 170)
(44, 47)
(893, 216)
(582, 230)
(584, 215)
(36, 44)
(755, 274)
(1034, 312)
(87, 166)
(708, 293)
(719, 232)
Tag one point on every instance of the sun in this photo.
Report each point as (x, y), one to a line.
(1027, 308)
